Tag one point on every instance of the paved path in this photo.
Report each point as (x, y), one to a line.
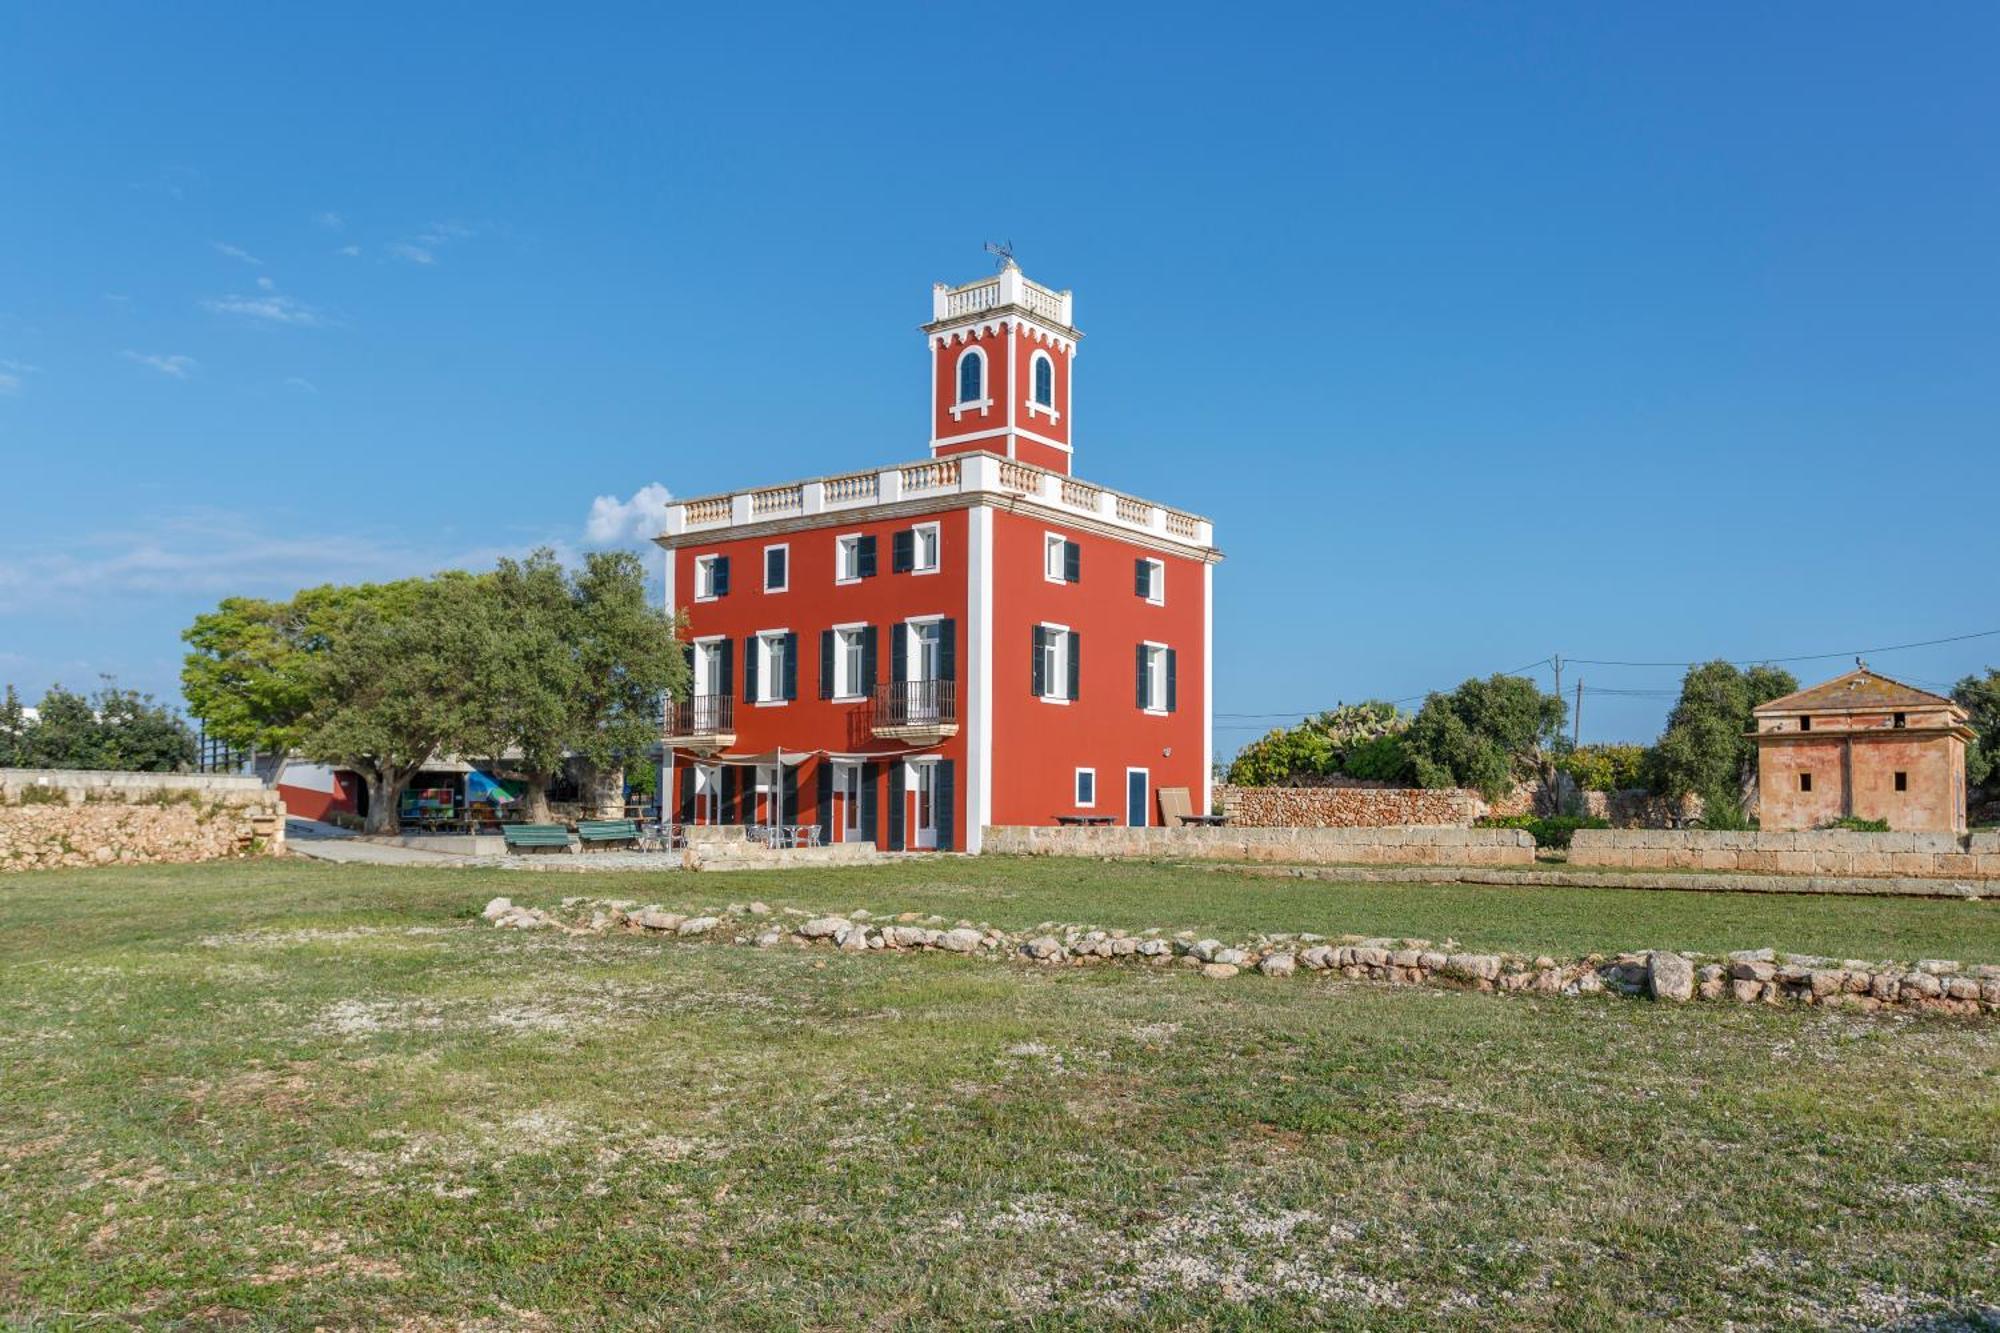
(325, 842)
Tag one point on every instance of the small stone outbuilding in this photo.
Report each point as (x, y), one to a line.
(1866, 746)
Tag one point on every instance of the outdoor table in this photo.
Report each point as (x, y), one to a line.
(1205, 821)
(1091, 821)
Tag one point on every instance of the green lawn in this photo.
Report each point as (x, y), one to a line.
(289, 1095)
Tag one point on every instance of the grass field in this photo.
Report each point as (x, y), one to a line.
(291, 1095)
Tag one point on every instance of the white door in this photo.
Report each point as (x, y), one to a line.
(921, 689)
(923, 782)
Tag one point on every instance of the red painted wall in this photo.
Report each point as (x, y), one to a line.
(812, 602)
(1039, 744)
(1010, 364)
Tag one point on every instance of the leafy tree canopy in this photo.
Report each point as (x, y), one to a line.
(1706, 748)
(1606, 767)
(1486, 734)
(111, 729)
(1979, 696)
(1358, 740)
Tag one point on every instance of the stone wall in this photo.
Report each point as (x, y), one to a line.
(1397, 845)
(1940, 855)
(64, 817)
(1345, 806)
(1638, 808)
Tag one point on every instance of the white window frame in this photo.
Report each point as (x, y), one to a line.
(707, 649)
(908, 629)
(914, 785)
(847, 786)
(1076, 789)
(1156, 678)
(1156, 581)
(704, 576)
(842, 544)
(859, 630)
(937, 548)
(1056, 545)
(707, 794)
(1035, 407)
(786, 586)
(981, 404)
(1056, 680)
(770, 684)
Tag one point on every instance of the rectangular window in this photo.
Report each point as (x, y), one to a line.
(1061, 559)
(776, 680)
(711, 667)
(1805, 782)
(1150, 580)
(1805, 724)
(711, 577)
(1086, 787)
(847, 649)
(924, 547)
(1154, 687)
(854, 557)
(1055, 662)
(1902, 782)
(777, 568)
(1902, 720)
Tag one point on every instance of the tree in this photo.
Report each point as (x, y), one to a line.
(1606, 767)
(1979, 696)
(1359, 740)
(137, 735)
(520, 714)
(13, 731)
(629, 656)
(1486, 734)
(1706, 749)
(112, 729)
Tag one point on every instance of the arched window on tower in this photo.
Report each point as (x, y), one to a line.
(971, 376)
(1045, 380)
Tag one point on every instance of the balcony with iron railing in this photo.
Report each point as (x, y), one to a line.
(701, 722)
(914, 710)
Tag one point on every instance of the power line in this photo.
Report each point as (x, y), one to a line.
(1308, 712)
(1803, 657)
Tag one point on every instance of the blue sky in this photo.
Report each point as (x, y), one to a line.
(1648, 333)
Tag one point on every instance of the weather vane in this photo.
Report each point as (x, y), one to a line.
(1004, 250)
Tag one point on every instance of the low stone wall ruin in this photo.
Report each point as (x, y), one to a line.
(52, 818)
(1939, 855)
(1346, 806)
(1397, 845)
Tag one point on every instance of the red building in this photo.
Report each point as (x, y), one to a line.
(907, 654)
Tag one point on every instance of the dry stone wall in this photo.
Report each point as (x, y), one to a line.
(51, 818)
(1396, 845)
(1938, 855)
(1347, 807)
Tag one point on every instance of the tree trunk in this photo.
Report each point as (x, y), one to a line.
(385, 801)
(534, 799)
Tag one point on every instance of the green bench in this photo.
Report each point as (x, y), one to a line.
(519, 836)
(600, 831)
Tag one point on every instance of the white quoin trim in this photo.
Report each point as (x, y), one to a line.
(979, 680)
(1207, 689)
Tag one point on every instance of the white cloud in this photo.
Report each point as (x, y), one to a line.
(616, 522)
(210, 555)
(424, 246)
(301, 383)
(172, 366)
(332, 221)
(269, 307)
(267, 284)
(237, 252)
(14, 375)
(351, 251)
(415, 254)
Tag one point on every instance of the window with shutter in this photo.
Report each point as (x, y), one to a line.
(868, 661)
(1142, 692)
(902, 551)
(871, 828)
(791, 666)
(899, 652)
(947, 649)
(826, 650)
(1142, 577)
(777, 568)
(942, 798)
(1038, 675)
(865, 557)
(1173, 687)
(750, 695)
(722, 576)
(1072, 562)
(896, 804)
(1071, 649)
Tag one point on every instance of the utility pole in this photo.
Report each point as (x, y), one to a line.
(1555, 660)
(1576, 719)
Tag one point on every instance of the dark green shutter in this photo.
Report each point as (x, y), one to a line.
(1075, 657)
(1173, 688)
(1141, 681)
(722, 576)
(749, 668)
(1038, 674)
(899, 652)
(870, 828)
(826, 800)
(686, 813)
(791, 681)
(788, 786)
(826, 649)
(1072, 562)
(728, 647)
(729, 810)
(896, 804)
(1142, 580)
(903, 551)
(864, 557)
(947, 649)
(943, 796)
(867, 683)
(775, 573)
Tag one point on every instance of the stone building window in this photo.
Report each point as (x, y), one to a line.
(1805, 724)
(1805, 782)
(1902, 782)
(1901, 720)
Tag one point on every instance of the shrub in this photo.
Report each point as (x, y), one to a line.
(1606, 767)
(1358, 740)
(1551, 832)
(36, 794)
(1855, 824)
